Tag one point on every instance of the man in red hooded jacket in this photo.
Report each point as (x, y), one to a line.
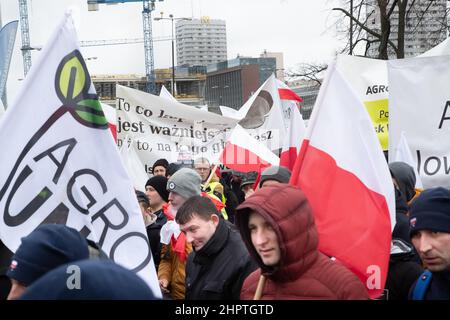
(277, 226)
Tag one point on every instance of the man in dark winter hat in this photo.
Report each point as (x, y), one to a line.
(98, 280)
(160, 167)
(143, 200)
(247, 187)
(156, 190)
(274, 175)
(44, 249)
(172, 168)
(157, 185)
(184, 184)
(405, 179)
(429, 224)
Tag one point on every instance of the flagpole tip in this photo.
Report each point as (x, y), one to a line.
(73, 13)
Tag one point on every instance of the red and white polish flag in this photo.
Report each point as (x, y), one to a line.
(343, 172)
(295, 125)
(111, 116)
(244, 153)
(287, 93)
(293, 139)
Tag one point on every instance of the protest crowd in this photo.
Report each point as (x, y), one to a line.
(254, 205)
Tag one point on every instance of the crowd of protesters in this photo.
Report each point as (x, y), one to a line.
(228, 235)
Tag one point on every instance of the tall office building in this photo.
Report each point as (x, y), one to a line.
(423, 26)
(201, 41)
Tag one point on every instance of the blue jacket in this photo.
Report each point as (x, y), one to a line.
(438, 288)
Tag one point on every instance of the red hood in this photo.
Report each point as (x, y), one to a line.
(286, 208)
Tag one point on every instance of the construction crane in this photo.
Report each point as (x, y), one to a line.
(148, 7)
(25, 32)
(113, 42)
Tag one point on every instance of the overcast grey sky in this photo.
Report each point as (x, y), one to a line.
(301, 29)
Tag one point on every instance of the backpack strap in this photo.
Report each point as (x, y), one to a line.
(422, 285)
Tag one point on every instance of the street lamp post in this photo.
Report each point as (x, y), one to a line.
(171, 18)
(173, 59)
(351, 27)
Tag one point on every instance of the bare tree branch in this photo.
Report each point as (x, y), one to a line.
(308, 71)
(386, 12)
(365, 28)
(391, 10)
(369, 33)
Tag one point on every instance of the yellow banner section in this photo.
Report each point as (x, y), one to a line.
(379, 113)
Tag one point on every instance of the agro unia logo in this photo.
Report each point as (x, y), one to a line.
(72, 84)
(36, 191)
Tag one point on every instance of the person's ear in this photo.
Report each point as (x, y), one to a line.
(215, 219)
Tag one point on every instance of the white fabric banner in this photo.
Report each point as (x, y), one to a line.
(60, 163)
(368, 79)
(133, 164)
(229, 112)
(164, 93)
(262, 116)
(2, 109)
(167, 129)
(403, 154)
(441, 49)
(419, 105)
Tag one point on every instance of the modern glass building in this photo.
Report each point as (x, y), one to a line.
(200, 41)
(230, 83)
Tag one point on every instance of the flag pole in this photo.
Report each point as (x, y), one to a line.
(258, 178)
(312, 121)
(211, 174)
(260, 288)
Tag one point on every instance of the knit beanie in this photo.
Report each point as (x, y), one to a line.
(430, 211)
(186, 182)
(159, 183)
(172, 168)
(160, 163)
(44, 249)
(276, 173)
(100, 280)
(142, 197)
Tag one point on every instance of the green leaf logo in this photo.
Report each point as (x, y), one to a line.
(90, 111)
(72, 83)
(72, 79)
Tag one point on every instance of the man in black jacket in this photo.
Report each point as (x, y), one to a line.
(156, 190)
(429, 228)
(219, 262)
(403, 270)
